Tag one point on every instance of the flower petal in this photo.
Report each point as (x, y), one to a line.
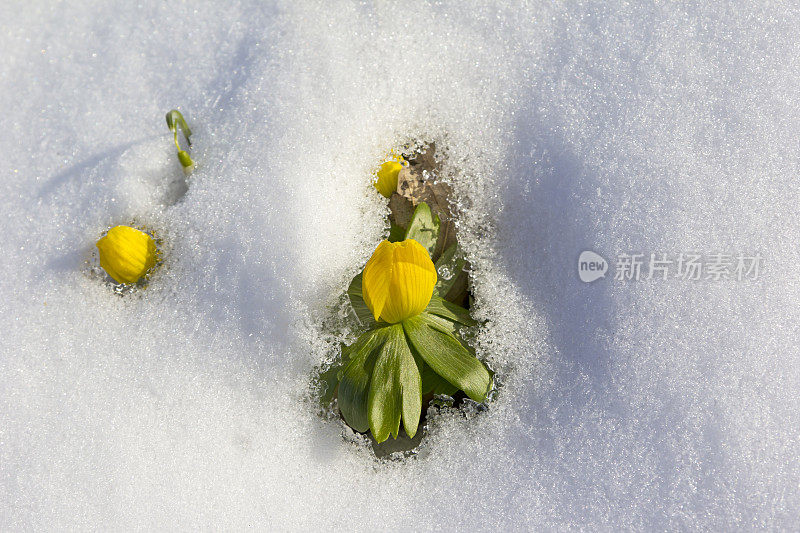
(398, 280)
(126, 254)
(387, 178)
(412, 282)
(376, 278)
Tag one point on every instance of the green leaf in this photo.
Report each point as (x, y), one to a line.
(355, 378)
(328, 381)
(449, 262)
(356, 296)
(449, 310)
(424, 227)
(433, 382)
(448, 255)
(175, 119)
(396, 233)
(395, 390)
(447, 356)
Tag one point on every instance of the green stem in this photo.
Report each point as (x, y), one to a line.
(175, 120)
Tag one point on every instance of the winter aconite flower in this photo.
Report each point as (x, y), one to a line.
(398, 280)
(126, 254)
(387, 178)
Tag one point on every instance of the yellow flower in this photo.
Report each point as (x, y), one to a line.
(126, 254)
(387, 178)
(398, 280)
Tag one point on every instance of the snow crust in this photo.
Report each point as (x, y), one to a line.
(613, 127)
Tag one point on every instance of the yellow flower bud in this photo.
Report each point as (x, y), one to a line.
(387, 178)
(398, 280)
(126, 254)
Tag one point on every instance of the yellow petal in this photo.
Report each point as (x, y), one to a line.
(376, 278)
(126, 254)
(398, 280)
(387, 178)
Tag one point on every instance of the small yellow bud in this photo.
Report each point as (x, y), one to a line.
(387, 178)
(398, 280)
(126, 254)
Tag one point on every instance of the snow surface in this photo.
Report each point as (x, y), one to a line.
(612, 127)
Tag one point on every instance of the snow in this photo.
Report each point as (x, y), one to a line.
(594, 126)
